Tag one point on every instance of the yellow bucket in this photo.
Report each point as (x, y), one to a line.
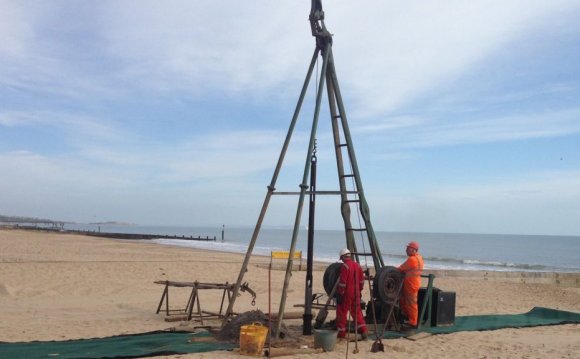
(252, 339)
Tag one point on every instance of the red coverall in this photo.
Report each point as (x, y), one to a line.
(413, 267)
(350, 286)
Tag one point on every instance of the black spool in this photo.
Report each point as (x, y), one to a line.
(330, 277)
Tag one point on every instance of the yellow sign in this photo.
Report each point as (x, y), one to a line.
(286, 254)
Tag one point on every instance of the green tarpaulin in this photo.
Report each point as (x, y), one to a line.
(122, 346)
(168, 343)
(535, 317)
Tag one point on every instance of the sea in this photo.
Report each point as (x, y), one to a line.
(444, 251)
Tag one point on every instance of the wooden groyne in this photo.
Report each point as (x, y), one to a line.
(142, 236)
(114, 235)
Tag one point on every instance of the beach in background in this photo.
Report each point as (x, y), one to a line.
(59, 286)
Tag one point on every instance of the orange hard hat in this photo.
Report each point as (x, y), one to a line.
(413, 245)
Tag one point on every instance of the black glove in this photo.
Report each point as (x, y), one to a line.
(338, 298)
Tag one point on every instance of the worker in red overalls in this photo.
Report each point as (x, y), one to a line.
(350, 285)
(412, 268)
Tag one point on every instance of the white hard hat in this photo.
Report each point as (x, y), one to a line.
(344, 252)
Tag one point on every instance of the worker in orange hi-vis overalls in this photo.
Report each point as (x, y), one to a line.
(350, 285)
(412, 268)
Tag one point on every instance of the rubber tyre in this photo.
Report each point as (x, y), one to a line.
(387, 283)
(330, 277)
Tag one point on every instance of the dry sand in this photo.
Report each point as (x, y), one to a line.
(56, 286)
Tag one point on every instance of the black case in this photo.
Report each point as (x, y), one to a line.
(443, 306)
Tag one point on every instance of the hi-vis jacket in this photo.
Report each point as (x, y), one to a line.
(413, 267)
(352, 280)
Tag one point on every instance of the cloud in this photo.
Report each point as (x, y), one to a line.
(249, 50)
(240, 50)
(422, 133)
(409, 49)
(15, 30)
(96, 144)
(107, 101)
(534, 203)
(233, 155)
(550, 185)
(144, 187)
(74, 124)
(224, 46)
(30, 175)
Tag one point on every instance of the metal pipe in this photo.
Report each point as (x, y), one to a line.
(271, 189)
(317, 192)
(303, 187)
(307, 317)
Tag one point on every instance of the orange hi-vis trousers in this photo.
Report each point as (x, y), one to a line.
(412, 268)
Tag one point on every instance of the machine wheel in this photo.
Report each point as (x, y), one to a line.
(387, 283)
(330, 277)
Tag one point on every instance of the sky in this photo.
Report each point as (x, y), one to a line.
(465, 115)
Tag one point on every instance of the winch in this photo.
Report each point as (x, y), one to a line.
(436, 307)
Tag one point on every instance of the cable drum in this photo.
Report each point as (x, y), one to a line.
(330, 277)
(386, 284)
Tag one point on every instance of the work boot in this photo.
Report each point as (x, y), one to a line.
(407, 328)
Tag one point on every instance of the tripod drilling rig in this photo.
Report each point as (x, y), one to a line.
(352, 198)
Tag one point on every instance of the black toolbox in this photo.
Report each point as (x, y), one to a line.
(442, 307)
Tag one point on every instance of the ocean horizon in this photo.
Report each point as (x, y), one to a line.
(441, 251)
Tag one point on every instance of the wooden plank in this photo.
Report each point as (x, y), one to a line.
(194, 284)
(418, 336)
(288, 315)
(176, 318)
(278, 352)
(316, 306)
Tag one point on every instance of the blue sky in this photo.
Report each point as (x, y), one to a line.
(465, 115)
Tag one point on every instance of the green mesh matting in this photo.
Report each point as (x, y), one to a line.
(535, 317)
(170, 343)
(122, 346)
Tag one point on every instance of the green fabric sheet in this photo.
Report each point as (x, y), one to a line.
(535, 317)
(169, 343)
(122, 346)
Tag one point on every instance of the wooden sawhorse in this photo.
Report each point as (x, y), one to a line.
(193, 299)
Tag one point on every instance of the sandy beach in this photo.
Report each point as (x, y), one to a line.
(58, 286)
